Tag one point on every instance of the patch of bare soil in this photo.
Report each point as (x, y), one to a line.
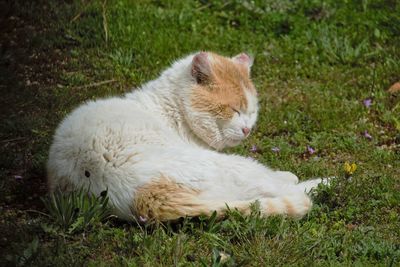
(29, 67)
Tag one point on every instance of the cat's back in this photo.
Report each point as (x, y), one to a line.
(107, 125)
(103, 132)
(107, 114)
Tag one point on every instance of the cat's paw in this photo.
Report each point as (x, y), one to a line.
(287, 177)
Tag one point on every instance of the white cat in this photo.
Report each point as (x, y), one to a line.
(154, 149)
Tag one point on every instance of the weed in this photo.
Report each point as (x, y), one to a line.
(76, 211)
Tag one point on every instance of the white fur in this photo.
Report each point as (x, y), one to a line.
(126, 142)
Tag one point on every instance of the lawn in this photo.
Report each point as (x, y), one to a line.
(322, 70)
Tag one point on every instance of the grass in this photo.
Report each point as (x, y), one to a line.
(315, 64)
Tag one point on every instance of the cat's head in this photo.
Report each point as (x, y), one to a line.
(221, 106)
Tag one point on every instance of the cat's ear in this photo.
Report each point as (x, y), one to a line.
(244, 59)
(201, 69)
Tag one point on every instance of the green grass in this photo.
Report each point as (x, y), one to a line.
(315, 64)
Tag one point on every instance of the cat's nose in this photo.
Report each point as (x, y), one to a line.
(246, 131)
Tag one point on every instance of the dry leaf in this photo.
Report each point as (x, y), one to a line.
(395, 88)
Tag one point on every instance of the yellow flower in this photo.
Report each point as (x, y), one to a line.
(349, 168)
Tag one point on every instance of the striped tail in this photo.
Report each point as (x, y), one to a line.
(296, 205)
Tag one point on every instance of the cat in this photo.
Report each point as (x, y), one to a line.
(156, 149)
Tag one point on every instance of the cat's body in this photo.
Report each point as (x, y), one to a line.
(153, 149)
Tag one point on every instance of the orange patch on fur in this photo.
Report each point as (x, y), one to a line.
(290, 210)
(164, 200)
(271, 208)
(225, 88)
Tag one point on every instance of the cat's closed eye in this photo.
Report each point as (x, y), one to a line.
(235, 110)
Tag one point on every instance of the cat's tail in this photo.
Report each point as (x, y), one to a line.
(308, 185)
(296, 205)
(166, 200)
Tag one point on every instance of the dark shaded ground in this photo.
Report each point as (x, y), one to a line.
(28, 67)
(27, 72)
